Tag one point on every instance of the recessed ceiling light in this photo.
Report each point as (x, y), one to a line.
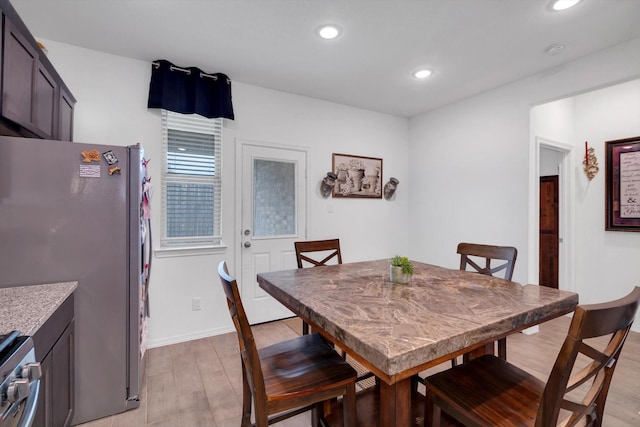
(423, 73)
(329, 32)
(564, 4)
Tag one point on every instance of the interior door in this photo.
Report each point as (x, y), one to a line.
(273, 217)
(549, 232)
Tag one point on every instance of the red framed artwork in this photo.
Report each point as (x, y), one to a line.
(623, 184)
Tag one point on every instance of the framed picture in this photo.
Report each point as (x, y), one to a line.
(623, 184)
(359, 177)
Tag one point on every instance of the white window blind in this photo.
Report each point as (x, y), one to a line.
(191, 180)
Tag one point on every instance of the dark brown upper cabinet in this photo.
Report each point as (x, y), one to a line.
(35, 101)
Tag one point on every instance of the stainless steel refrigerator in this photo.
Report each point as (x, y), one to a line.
(71, 211)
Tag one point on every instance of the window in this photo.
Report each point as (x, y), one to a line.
(191, 180)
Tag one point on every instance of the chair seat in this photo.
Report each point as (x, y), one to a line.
(302, 365)
(488, 391)
(509, 395)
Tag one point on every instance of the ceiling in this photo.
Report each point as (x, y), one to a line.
(472, 45)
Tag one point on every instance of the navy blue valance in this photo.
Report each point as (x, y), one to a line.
(189, 90)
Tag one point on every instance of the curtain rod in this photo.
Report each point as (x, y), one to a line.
(186, 70)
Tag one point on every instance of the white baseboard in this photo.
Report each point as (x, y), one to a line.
(189, 337)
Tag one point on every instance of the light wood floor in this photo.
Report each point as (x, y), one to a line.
(199, 383)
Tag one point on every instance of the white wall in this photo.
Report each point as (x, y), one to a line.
(549, 162)
(111, 109)
(481, 192)
(555, 118)
(325, 128)
(607, 262)
(466, 178)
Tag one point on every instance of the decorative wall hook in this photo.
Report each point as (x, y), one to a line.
(590, 162)
(328, 182)
(390, 188)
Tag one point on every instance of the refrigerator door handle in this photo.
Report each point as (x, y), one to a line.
(148, 265)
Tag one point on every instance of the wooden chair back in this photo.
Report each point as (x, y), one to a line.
(326, 251)
(580, 361)
(317, 253)
(488, 254)
(489, 392)
(289, 377)
(248, 350)
(469, 252)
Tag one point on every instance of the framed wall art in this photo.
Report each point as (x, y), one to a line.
(623, 184)
(359, 177)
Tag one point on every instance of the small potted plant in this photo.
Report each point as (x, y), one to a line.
(400, 270)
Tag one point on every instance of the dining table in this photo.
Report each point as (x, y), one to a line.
(399, 330)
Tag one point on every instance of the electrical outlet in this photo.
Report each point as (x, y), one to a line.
(196, 304)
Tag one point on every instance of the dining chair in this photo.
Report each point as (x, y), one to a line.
(290, 377)
(483, 259)
(472, 252)
(480, 258)
(323, 250)
(489, 391)
(317, 253)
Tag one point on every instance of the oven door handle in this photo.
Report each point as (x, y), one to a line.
(31, 405)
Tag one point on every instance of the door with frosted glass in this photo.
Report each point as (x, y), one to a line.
(273, 217)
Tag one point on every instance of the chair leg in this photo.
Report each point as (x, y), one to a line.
(502, 348)
(325, 407)
(246, 401)
(316, 414)
(350, 416)
(415, 381)
(432, 412)
(598, 413)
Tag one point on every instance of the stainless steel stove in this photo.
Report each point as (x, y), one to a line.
(19, 380)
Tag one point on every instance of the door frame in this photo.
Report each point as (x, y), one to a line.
(566, 213)
(237, 226)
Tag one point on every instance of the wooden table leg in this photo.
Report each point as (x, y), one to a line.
(395, 404)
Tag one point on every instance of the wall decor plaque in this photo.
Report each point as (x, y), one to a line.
(623, 184)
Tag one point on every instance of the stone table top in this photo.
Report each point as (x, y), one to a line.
(397, 328)
(27, 308)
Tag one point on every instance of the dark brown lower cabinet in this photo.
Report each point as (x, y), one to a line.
(54, 344)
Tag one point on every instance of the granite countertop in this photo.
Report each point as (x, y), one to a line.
(27, 308)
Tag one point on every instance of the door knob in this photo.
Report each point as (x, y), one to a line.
(247, 244)
(247, 232)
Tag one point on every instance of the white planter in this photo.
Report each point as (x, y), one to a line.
(397, 276)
